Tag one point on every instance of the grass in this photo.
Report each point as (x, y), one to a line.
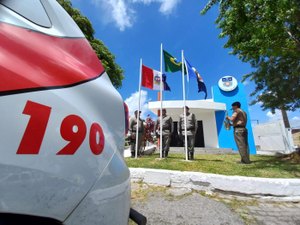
(261, 166)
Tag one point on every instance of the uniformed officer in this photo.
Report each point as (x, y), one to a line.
(239, 122)
(133, 131)
(191, 125)
(167, 129)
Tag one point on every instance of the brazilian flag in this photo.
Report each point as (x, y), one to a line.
(171, 64)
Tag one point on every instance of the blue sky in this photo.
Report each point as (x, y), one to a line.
(134, 29)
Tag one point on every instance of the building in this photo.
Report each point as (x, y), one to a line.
(210, 115)
(273, 137)
(296, 138)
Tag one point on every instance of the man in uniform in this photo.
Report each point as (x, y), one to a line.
(133, 132)
(167, 129)
(191, 124)
(239, 122)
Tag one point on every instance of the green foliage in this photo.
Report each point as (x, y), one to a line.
(113, 70)
(265, 33)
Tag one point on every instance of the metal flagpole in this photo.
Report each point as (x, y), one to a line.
(184, 104)
(138, 114)
(161, 97)
(188, 79)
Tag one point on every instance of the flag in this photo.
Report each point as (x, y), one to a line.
(151, 79)
(193, 73)
(166, 86)
(171, 64)
(202, 86)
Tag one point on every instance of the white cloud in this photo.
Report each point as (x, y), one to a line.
(121, 12)
(295, 121)
(296, 118)
(276, 116)
(133, 103)
(246, 82)
(116, 11)
(166, 6)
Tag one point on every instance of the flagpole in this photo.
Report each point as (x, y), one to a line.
(161, 99)
(184, 104)
(138, 114)
(187, 79)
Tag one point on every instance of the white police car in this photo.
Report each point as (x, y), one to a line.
(62, 123)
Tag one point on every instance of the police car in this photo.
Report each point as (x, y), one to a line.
(62, 123)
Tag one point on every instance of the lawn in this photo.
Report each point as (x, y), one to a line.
(261, 166)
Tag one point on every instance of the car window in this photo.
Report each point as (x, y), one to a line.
(25, 8)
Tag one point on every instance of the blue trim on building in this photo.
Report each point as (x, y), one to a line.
(226, 139)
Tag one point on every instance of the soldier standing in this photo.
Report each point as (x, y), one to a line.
(133, 132)
(167, 129)
(191, 124)
(239, 122)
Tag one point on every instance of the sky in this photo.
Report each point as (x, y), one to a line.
(134, 30)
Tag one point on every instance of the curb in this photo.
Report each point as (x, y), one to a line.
(259, 187)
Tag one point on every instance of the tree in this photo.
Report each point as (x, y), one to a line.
(113, 70)
(265, 33)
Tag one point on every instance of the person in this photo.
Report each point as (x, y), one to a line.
(133, 132)
(167, 129)
(239, 122)
(149, 130)
(191, 124)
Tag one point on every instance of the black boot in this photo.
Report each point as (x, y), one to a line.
(189, 155)
(163, 154)
(132, 154)
(192, 155)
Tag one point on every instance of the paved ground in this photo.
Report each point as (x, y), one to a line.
(276, 213)
(164, 206)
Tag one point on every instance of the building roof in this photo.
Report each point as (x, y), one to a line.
(196, 106)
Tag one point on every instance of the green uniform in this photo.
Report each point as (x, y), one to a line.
(191, 127)
(241, 134)
(133, 133)
(167, 129)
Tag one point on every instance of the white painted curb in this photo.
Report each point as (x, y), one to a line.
(214, 182)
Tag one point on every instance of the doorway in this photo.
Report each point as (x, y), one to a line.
(199, 137)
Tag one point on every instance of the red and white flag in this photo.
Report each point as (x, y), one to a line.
(150, 78)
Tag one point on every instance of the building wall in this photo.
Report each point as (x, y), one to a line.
(296, 138)
(273, 137)
(226, 138)
(209, 129)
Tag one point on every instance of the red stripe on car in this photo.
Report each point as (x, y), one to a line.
(33, 60)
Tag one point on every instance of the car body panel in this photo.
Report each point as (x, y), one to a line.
(61, 180)
(62, 25)
(108, 200)
(55, 72)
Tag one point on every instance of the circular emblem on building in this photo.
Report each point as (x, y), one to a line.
(227, 83)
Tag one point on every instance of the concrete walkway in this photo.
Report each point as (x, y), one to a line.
(182, 206)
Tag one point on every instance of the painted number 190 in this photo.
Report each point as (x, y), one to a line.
(72, 129)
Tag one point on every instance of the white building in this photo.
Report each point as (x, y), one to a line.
(204, 111)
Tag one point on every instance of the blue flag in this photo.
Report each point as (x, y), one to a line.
(193, 73)
(202, 87)
(190, 70)
(166, 86)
